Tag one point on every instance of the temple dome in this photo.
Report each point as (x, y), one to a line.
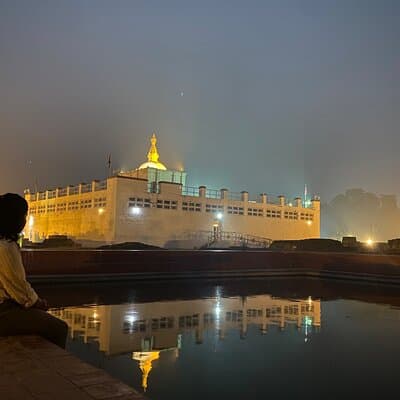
(153, 156)
(149, 164)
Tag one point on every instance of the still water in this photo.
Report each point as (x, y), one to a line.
(250, 340)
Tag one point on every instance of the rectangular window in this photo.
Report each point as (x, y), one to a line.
(73, 205)
(99, 202)
(276, 310)
(290, 215)
(273, 214)
(235, 210)
(208, 318)
(41, 209)
(134, 326)
(214, 208)
(191, 206)
(306, 217)
(139, 202)
(255, 212)
(86, 203)
(61, 207)
(167, 204)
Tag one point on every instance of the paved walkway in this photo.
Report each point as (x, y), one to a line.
(33, 369)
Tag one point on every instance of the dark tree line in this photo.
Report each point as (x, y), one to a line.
(362, 214)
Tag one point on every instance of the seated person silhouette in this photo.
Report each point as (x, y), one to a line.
(22, 312)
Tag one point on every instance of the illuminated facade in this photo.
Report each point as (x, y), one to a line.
(152, 204)
(146, 329)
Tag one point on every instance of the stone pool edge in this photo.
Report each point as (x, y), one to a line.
(96, 265)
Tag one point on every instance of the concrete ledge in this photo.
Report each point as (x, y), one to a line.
(33, 369)
(98, 265)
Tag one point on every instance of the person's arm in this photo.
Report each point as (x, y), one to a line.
(13, 279)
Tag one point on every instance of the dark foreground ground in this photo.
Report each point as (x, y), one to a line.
(33, 369)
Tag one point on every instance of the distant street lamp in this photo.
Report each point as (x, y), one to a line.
(370, 242)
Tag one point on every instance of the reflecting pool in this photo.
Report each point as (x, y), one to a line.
(237, 343)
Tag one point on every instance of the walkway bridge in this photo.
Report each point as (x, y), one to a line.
(212, 238)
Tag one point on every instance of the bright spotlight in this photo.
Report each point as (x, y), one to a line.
(130, 319)
(219, 215)
(309, 223)
(31, 221)
(370, 242)
(101, 211)
(135, 211)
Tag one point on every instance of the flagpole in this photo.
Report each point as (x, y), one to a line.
(109, 165)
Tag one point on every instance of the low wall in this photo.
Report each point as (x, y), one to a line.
(93, 265)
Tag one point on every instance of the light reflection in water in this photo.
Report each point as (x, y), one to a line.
(147, 329)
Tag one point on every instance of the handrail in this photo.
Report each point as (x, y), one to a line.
(213, 194)
(190, 191)
(242, 239)
(234, 196)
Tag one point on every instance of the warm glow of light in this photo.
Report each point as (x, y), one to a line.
(101, 211)
(309, 223)
(135, 211)
(370, 242)
(31, 221)
(219, 216)
(95, 315)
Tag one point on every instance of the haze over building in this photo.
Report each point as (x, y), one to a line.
(275, 93)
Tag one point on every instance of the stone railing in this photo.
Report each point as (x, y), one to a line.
(68, 191)
(225, 194)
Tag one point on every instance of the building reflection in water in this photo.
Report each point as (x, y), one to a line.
(146, 329)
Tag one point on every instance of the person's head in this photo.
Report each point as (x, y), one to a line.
(13, 210)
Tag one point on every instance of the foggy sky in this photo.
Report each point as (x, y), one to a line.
(276, 94)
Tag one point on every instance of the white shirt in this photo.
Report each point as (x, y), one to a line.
(13, 283)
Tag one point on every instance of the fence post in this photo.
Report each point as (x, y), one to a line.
(224, 194)
(263, 198)
(202, 191)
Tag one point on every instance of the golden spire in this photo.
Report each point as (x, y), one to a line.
(152, 155)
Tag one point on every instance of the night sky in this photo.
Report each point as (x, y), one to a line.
(248, 95)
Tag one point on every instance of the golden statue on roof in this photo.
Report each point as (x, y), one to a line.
(153, 156)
